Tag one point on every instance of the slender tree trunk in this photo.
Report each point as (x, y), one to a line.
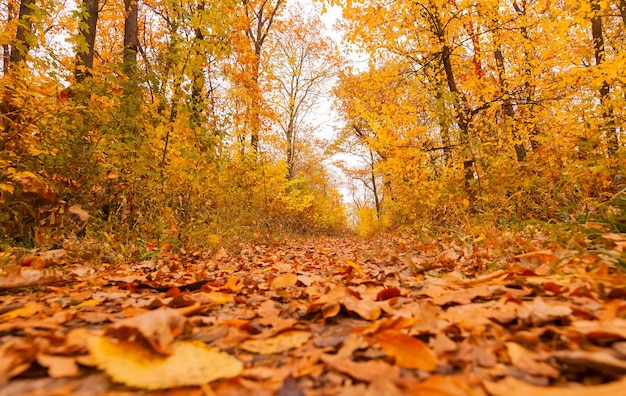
(20, 47)
(609, 127)
(528, 87)
(197, 89)
(622, 10)
(507, 105)
(131, 35)
(374, 186)
(87, 29)
(462, 118)
(261, 19)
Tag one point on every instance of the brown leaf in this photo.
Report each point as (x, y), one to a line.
(16, 357)
(363, 371)
(59, 366)
(513, 387)
(158, 328)
(539, 312)
(388, 293)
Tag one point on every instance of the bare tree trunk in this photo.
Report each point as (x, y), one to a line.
(131, 35)
(528, 88)
(257, 32)
(509, 111)
(6, 49)
(607, 112)
(462, 120)
(87, 29)
(374, 186)
(20, 47)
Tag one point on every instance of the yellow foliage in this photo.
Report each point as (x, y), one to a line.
(191, 363)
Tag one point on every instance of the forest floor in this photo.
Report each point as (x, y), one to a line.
(329, 316)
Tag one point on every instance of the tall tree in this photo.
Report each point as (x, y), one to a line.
(131, 35)
(259, 18)
(604, 91)
(302, 66)
(87, 38)
(21, 45)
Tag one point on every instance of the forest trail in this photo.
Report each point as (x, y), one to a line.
(330, 316)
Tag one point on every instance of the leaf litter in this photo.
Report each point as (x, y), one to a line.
(319, 317)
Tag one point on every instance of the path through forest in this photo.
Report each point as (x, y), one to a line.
(386, 316)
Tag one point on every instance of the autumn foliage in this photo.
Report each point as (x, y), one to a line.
(162, 123)
(501, 112)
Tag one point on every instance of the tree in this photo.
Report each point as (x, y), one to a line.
(604, 91)
(303, 63)
(258, 19)
(131, 32)
(21, 45)
(87, 38)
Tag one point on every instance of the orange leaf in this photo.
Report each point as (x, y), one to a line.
(408, 351)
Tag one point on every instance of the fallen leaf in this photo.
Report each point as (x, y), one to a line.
(363, 371)
(59, 366)
(28, 310)
(539, 312)
(278, 344)
(158, 328)
(190, 363)
(513, 387)
(408, 352)
(285, 280)
(441, 385)
(16, 357)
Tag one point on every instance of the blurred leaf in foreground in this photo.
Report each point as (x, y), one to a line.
(191, 363)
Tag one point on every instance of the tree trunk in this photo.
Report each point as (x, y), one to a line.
(507, 105)
(374, 187)
(131, 33)
(197, 89)
(528, 88)
(597, 34)
(257, 33)
(20, 47)
(87, 29)
(462, 119)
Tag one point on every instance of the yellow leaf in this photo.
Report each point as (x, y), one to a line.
(191, 363)
(33, 151)
(280, 343)
(285, 280)
(7, 187)
(88, 303)
(26, 311)
(354, 265)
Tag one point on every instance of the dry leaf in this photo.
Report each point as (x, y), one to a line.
(363, 371)
(16, 357)
(440, 385)
(158, 328)
(409, 352)
(285, 280)
(59, 366)
(278, 344)
(191, 363)
(513, 387)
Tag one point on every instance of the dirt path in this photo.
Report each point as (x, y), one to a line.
(318, 317)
